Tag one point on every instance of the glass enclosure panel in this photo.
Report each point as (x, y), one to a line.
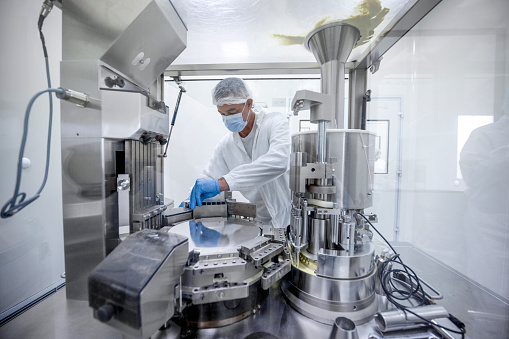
(247, 31)
(448, 77)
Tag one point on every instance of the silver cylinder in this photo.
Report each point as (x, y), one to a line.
(398, 319)
(296, 227)
(348, 237)
(333, 233)
(343, 328)
(321, 143)
(351, 154)
(317, 235)
(305, 218)
(333, 83)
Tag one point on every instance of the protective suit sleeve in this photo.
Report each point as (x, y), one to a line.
(268, 166)
(216, 167)
(481, 159)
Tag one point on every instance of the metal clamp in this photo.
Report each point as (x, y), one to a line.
(220, 292)
(261, 252)
(266, 253)
(275, 272)
(235, 264)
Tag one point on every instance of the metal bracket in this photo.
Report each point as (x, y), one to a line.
(319, 105)
(234, 264)
(220, 291)
(328, 211)
(375, 66)
(241, 209)
(299, 173)
(261, 252)
(275, 272)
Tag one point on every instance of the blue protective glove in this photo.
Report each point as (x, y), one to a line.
(202, 190)
(203, 236)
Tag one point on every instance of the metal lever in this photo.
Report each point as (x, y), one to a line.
(182, 90)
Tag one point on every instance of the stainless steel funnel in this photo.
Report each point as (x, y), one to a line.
(331, 44)
(343, 328)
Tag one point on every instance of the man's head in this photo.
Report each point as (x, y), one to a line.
(234, 101)
(231, 91)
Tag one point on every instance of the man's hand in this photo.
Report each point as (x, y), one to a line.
(202, 190)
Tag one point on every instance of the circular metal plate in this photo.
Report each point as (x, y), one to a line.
(217, 235)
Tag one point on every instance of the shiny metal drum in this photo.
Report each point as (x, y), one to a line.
(220, 286)
(352, 154)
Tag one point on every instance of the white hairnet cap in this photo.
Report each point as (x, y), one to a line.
(231, 91)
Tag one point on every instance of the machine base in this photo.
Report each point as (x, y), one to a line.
(319, 313)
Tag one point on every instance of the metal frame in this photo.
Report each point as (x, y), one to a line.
(205, 70)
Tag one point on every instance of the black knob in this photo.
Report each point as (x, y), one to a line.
(118, 81)
(145, 139)
(105, 312)
(162, 140)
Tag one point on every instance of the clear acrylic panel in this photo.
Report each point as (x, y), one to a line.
(267, 31)
(445, 89)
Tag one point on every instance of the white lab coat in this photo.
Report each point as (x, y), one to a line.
(484, 163)
(267, 171)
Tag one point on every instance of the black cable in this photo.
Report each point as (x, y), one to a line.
(393, 293)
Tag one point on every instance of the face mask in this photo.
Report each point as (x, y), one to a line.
(235, 122)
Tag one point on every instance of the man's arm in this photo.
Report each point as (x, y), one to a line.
(268, 166)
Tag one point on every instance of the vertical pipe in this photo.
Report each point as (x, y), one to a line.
(348, 237)
(333, 83)
(357, 89)
(322, 142)
(317, 235)
(304, 235)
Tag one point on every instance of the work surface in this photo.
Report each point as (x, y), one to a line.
(485, 315)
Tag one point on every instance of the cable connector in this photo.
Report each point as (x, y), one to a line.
(47, 6)
(78, 98)
(456, 322)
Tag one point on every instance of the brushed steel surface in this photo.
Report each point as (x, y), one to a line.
(317, 232)
(351, 153)
(344, 328)
(90, 208)
(233, 233)
(331, 44)
(485, 315)
(127, 116)
(335, 294)
(326, 312)
(330, 264)
(397, 319)
(149, 44)
(93, 151)
(118, 31)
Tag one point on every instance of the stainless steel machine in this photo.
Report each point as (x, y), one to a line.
(213, 271)
(331, 179)
(113, 124)
(233, 260)
(223, 276)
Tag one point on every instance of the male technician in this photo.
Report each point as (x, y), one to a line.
(252, 159)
